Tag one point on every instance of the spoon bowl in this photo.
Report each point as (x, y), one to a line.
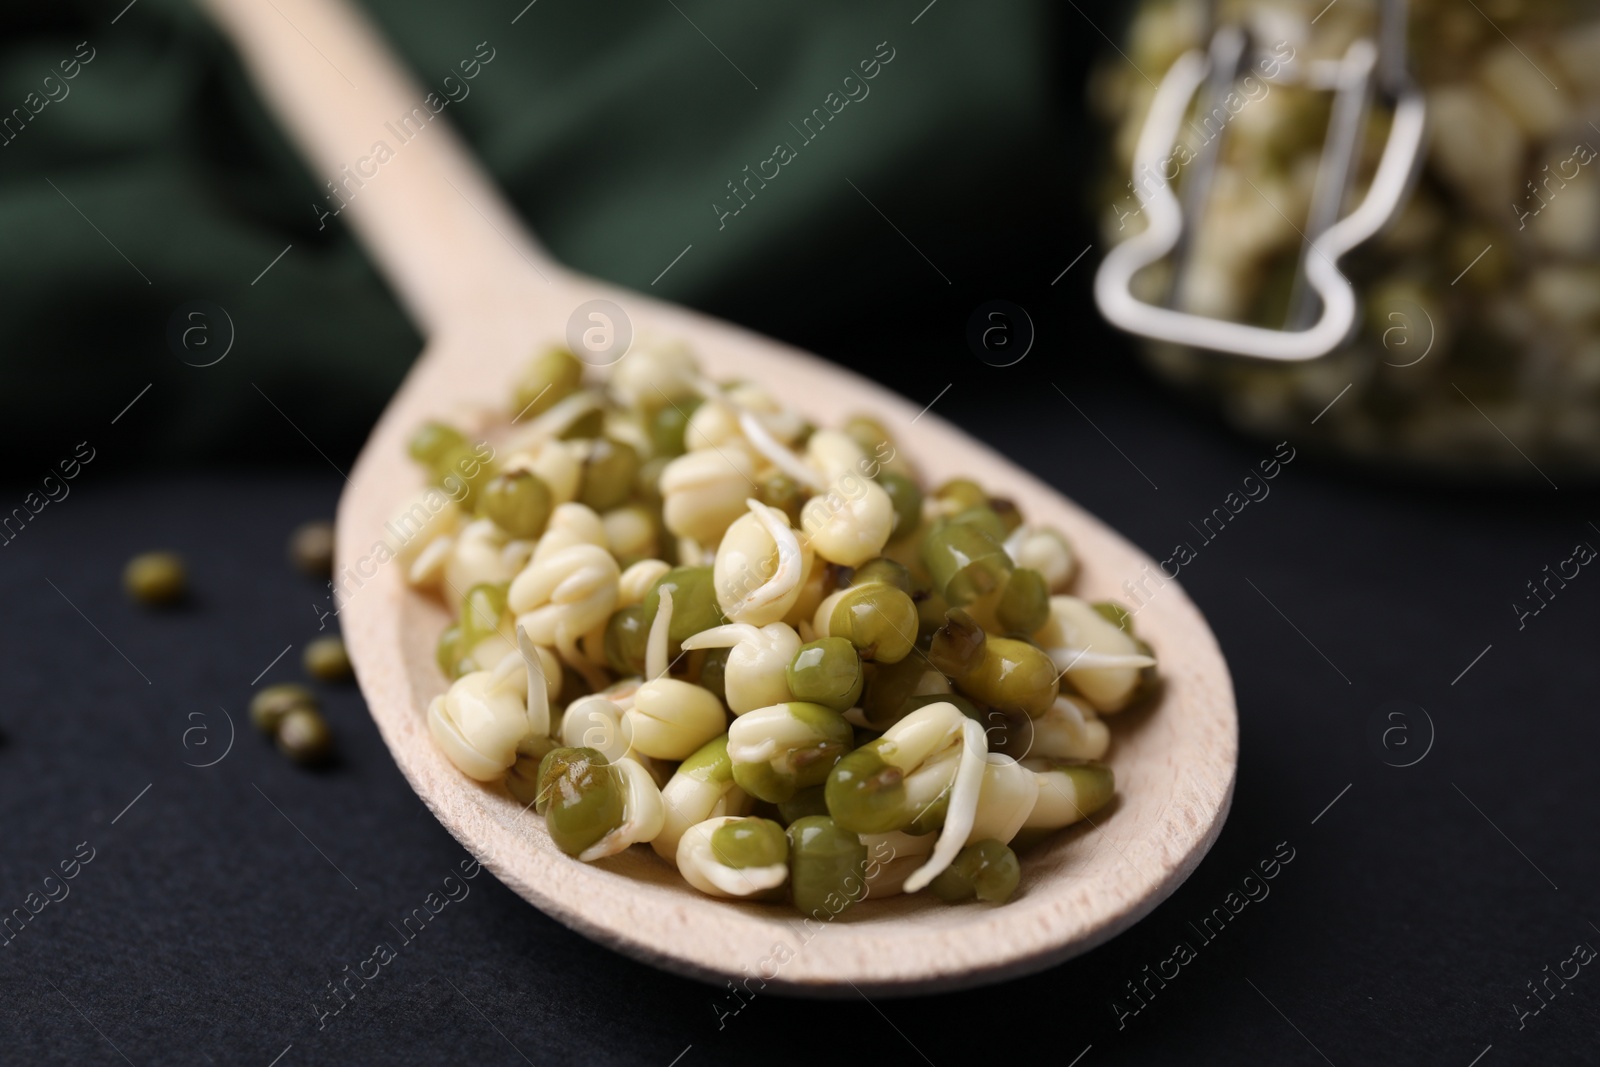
(486, 295)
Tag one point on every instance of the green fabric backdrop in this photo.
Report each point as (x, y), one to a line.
(614, 128)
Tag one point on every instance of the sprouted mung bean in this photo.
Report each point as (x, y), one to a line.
(1481, 298)
(761, 647)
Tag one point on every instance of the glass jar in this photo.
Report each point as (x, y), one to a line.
(1478, 344)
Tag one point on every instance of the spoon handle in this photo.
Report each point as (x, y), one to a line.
(387, 161)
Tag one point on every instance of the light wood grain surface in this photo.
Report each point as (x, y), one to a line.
(487, 296)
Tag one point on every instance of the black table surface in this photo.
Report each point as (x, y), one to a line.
(1417, 758)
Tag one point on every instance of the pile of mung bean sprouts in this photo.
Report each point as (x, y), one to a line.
(690, 619)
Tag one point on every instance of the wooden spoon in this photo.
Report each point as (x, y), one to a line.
(486, 296)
